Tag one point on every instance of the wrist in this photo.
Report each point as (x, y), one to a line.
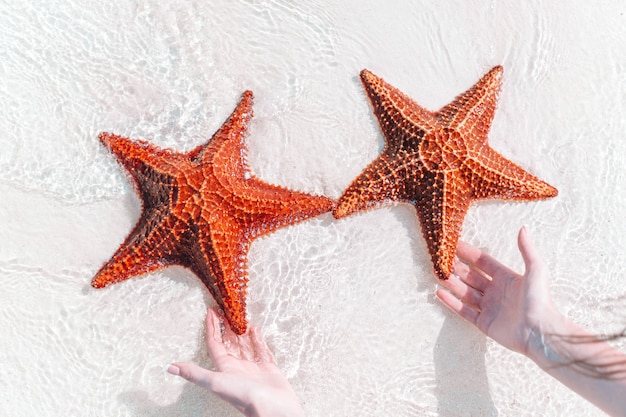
(266, 403)
(543, 343)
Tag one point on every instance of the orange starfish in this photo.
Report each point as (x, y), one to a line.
(439, 162)
(201, 210)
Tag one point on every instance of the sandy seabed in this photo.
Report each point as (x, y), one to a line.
(347, 306)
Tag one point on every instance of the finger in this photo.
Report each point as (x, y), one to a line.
(214, 341)
(246, 347)
(462, 291)
(481, 260)
(460, 268)
(532, 260)
(230, 341)
(264, 354)
(456, 305)
(192, 373)
(471, 277)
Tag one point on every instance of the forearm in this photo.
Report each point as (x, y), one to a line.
(587, 365)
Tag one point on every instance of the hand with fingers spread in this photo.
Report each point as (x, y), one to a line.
(517, 311)
(246, 374)
(506, 306)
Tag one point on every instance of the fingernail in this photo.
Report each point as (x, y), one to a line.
(173, 369)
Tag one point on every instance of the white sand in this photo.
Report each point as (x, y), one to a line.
(347, 306)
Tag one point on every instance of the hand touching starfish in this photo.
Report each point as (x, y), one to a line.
(246, 374)
(506, 306)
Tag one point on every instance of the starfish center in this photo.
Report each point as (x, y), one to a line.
(443, 150)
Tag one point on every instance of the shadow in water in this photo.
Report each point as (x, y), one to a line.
(190, 403)
(193, 401)
(462, 388)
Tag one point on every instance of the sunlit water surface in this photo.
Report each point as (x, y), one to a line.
(347, 306)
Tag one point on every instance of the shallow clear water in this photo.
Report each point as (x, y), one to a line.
(347, 306)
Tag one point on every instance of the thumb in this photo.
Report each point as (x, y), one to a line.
(193, 373)
(532, 260)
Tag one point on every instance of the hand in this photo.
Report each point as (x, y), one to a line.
(517, 311)
(246, 373)
(506, 306)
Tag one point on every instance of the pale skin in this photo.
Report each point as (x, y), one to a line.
(517, 311)
(246, 374)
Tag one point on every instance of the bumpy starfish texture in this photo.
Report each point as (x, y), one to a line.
(439, 162)
(201, 210)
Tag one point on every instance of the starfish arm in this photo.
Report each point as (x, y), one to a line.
(474, 110)
(382, 180)
(145, 250)
(266, 207)
(221, 265)
(402, 121)
(441, 214)
(142, 159)
(231, 133)
(492, 176)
